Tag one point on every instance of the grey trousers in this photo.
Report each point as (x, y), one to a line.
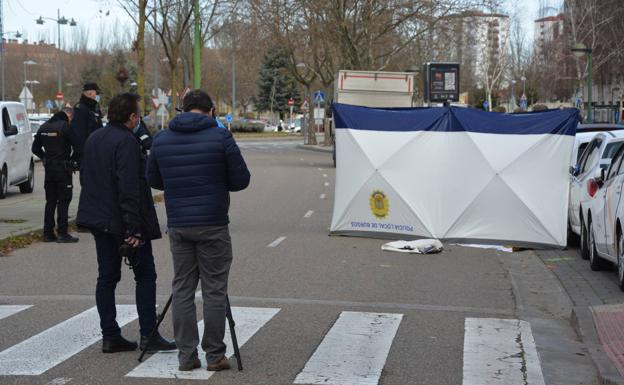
(200, 253)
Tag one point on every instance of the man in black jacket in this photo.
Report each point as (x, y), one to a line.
(87, 116)
(116, 205)
(54, 145)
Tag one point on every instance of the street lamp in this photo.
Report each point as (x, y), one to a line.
(17, 35)
(59, 21)
(579, 51)
(27, 63)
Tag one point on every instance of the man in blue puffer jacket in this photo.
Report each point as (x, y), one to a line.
(197, 164)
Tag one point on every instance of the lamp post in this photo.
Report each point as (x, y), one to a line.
(512, 100)
(579, 51)
(27, 63)
(59, 21)
(2, 49)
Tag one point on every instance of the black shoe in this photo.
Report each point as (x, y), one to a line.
(67, 239)
(118, 344)
(50, 238)
(158, 344)
(188, 366)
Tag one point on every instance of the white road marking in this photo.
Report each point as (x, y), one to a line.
(324, 175)
(320, 169)
(308, 214)
(276, 242)
(323, 196)
(60, 381)
(165, 364)
(500, 352)
(9, 310)
(354, 350)
(326, 184)
(49, 348)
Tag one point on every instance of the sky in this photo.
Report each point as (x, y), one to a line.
(92, 18)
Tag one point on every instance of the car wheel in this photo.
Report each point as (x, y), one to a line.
(584, 249)
(29, 186)
(4, 183)
(595, 262)
(620, 259)
(573, 239)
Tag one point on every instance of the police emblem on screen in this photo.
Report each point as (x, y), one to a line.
(379, 204)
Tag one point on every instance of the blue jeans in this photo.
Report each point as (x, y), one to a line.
(109, 273)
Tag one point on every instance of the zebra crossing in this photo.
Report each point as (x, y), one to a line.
(263, 146)
(353, 350)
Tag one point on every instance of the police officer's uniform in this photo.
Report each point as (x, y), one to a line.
(54, 145)
(87, 119)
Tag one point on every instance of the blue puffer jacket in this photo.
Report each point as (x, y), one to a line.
(197, 164)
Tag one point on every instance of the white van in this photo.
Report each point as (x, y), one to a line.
(17, 167)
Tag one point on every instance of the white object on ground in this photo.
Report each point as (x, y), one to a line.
(495, 247)
(500, 352)
(354, 351)
(421, 246)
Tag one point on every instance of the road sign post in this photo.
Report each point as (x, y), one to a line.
(229, 118)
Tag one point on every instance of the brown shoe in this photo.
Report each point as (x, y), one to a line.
(188, 366)
(222, 364)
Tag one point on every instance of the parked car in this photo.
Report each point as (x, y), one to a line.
(598, 127)
(17, 167)
(596, 156)
(605, 219)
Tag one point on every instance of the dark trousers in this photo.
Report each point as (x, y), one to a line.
(109, 273)
(200, 254)
(58, 196)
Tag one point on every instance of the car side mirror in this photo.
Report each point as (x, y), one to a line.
(599, 176)
(11, 130)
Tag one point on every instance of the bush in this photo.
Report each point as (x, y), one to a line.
(499, 109)
(539, 107)
(241, 126)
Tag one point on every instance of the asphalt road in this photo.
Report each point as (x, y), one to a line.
(313, 279)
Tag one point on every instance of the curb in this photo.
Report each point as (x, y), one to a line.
(583, 322)
(316, 148)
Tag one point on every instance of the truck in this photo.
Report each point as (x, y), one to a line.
(374, 89)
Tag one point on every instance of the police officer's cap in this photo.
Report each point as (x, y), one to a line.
(91, 87)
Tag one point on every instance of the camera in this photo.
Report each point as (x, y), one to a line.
(129, 254)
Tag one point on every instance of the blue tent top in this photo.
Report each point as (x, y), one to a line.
(454, 119)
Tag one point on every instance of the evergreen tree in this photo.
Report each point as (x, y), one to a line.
(275, 85)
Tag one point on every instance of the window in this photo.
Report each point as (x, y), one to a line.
(581, 149)
(591, 155)
(615, 164)
(6, 121)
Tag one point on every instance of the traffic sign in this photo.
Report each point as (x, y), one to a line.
(59, 96)
(291, 102)
(319, 97)
(229, 118)
(305, 107)
(49, 104)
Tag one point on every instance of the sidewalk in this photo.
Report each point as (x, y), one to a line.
(598, 314)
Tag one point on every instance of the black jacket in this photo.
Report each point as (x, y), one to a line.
(54, 144)
(87, 119)
(115, 197)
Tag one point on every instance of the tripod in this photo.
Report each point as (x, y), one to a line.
(231, 323)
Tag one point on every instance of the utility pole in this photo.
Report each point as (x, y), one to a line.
(157, 53)
(2, 46)
(197, 48)
(233, 35)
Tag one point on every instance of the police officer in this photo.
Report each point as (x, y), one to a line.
(54, 144)
(87, 116)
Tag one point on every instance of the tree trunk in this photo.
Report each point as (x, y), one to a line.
(174, 87)
(489, 96)
(311, 123)
(140, 47)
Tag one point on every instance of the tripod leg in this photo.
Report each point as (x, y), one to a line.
(228, 313)
(155, 330)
